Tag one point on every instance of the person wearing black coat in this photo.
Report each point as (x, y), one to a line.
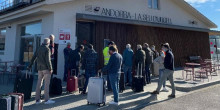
(75, 59)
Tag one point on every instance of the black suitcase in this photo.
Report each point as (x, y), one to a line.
(14, 102)
(24, 84)
(56, 87)
(138, 81)
(122, 83)
(5, 102)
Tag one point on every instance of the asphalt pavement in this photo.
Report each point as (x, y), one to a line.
(203, 99)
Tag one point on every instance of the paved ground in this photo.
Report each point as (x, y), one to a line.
(205, 99)
(128, 99)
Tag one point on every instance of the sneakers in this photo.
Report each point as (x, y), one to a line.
(172, 96)
(165, 90)
(38, 102)
(113, 103)
(155, 92)
(49, 102)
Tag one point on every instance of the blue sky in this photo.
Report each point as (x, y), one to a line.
(209, 8)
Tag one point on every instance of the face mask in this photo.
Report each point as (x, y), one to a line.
(68, 46)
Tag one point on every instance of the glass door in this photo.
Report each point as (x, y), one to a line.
(29, 45)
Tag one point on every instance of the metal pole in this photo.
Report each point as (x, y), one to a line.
(216, 48)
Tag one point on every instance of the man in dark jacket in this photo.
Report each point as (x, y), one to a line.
(66, 52)
(90, 63)
(127, 64)
(168, 72)
(114, 69)
(148, 62)
(43, 58)
(140, 57)
(75, 59)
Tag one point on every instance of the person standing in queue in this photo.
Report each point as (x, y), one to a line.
(106, 60)
(43, 58)
(66, 52)
(114, 69)
(127, 64)
(90, 63)
(75, 59)
(148, 62)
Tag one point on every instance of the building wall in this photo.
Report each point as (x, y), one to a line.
(183, 43)
(12, 45)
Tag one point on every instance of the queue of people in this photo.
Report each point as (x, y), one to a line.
(114, 62)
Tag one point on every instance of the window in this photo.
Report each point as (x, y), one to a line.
(31, 29)
(154, 4)
(2, 39)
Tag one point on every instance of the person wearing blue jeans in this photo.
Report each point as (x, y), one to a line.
(161, 72)
(127, 75)
(114, 69)
(114, 81)
(127, 64)
(90, 62)
(160, 60)
(88, 75)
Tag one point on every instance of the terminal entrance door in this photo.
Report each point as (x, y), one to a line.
(85, 33)
(29, 44)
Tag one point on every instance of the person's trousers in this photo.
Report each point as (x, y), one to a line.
(88, 75)
(108, 83)
(167, 74)
(127, 74)
(65, 72)
(114, 81)
(147, 73)
(160, 76)
(45, 76)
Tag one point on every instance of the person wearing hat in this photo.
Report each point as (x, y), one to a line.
(66, 52)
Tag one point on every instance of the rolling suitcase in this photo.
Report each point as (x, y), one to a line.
(20, 100)
(23, 84)
(72, 81)
(138, 81)
(81, 82)
(5, 102)
(14, 102)
(96, 91)
(122, 83)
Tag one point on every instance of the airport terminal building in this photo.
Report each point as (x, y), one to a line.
(25, 23)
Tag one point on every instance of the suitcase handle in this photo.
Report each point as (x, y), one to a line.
(138, 71)
(27, 74)
(100, 74)
(71, 73)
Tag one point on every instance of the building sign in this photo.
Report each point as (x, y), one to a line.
(127, 15)
(64, 36)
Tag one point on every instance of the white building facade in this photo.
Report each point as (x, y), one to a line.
(24, 29)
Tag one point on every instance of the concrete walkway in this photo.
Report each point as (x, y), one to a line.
(128, 99)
